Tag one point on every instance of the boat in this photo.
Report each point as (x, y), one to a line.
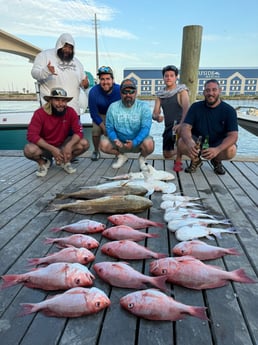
(248, 118)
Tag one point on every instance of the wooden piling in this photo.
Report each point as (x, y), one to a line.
(191, 49)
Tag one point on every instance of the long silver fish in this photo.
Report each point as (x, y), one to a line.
(174, 225)
(99, 191)
(107, 204)
(187, 233)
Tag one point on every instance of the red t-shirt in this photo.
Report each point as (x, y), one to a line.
(53, 129)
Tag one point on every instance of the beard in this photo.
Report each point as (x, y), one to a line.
(128, 102)
(210, 101)
(57, 112)
(64, 57)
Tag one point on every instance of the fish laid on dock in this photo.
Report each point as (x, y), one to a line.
(150, 173)
(133, 221)
(105, 189)
(187, 233)
(201, 250)
(84, 226)
(194, 274)
(108, 204)
(81, 301)
(152, 304)
(76, 240)
(125, 232)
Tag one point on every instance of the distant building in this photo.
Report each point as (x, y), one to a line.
(233, 81)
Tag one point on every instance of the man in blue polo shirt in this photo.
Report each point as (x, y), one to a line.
(214, 120)
(100, 97)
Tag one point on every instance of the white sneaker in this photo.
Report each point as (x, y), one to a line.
(68, 168)
(121, 159)
(142, 163)
(43, 169)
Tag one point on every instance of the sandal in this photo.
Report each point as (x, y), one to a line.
(193, 166)
(218, 167)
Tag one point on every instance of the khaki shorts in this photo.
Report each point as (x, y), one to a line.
(96, 130)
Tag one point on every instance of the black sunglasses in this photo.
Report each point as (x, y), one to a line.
(126, 92)
(59, 92)
(105, 69)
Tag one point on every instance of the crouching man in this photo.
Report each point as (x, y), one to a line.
(55, 132)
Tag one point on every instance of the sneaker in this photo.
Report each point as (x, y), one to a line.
(218, 167)
(68, 168)
(121, 159)
(142, 163)
(194, 165)
(178, 166)
(43, 169)
(95, 156)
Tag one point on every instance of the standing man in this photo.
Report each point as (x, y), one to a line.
(59, 67)
(128, 125)
(174, 101)
(100, 98)
(212, 119)
(48, 134)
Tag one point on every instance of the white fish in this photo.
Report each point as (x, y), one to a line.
(175, 204)
(182, 198)
(155, 185)
(170, 215)
(174, 225)
(150, 172)
(187, 233)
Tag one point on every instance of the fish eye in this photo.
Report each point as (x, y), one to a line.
(97, 304)
(77, 281)
(164, 271)
(130, 305)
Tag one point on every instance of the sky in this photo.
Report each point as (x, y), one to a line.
(132, 33)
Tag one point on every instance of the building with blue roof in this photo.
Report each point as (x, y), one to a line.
(233, 81)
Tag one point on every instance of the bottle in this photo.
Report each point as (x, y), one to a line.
(198, 145)
(174, 135)
(205, 144)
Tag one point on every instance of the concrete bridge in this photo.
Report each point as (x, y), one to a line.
(14, 45)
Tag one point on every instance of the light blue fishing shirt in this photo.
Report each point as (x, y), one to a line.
(129, 123)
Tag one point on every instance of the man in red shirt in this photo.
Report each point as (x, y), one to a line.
(49, 134)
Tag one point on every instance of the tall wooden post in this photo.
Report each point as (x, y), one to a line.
(191, 50)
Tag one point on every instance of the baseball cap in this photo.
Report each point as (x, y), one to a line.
(128, 84)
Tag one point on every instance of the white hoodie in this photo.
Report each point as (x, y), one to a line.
(69, 74)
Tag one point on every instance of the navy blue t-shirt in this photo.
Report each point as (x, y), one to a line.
(214, 122)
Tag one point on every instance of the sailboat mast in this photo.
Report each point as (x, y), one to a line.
(96, 43)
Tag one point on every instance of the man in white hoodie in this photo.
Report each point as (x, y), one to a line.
(58, 67)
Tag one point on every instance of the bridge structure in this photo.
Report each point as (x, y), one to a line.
(14, 45)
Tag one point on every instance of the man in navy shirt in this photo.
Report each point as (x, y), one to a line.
(100, 97)
(214, 120)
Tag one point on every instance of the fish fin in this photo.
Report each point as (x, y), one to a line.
(55, 229)
(160, 283)
(241, 277)
(161, 255)
(233, 251)
(9, 280)
(153, 235)
(33, 261)
(27, 308)
(61, 196)
(199, 312)
(211, 238)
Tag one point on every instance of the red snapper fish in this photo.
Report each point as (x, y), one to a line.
(129, 250)
(84, 226)
(77, 240)
(201, 250)
(194, 274)
(70, 254)
(57, 276)
(120, 274)
(125, 232)
(152, 304)
(132, 220)
(81, 301)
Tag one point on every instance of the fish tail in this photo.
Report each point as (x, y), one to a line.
(9, 280)
(233, 251)
(199, 312)
(153, 235)
(62, 196)
(33, 261)
(27, 308)
(160, 283)
(54, 207)
(48, 240)
(55, 229)
(241, 277)
(157, 224)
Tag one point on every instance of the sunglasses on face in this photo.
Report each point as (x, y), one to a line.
(126, 92)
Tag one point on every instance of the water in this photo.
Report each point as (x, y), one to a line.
(247, 142)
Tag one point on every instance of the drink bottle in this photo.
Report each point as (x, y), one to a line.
(205, 144)
(198, 144)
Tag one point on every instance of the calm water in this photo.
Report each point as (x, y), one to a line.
(247, 143)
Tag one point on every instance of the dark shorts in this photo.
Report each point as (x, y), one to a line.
(168, 142)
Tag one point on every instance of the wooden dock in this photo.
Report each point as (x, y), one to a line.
(25, 222)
